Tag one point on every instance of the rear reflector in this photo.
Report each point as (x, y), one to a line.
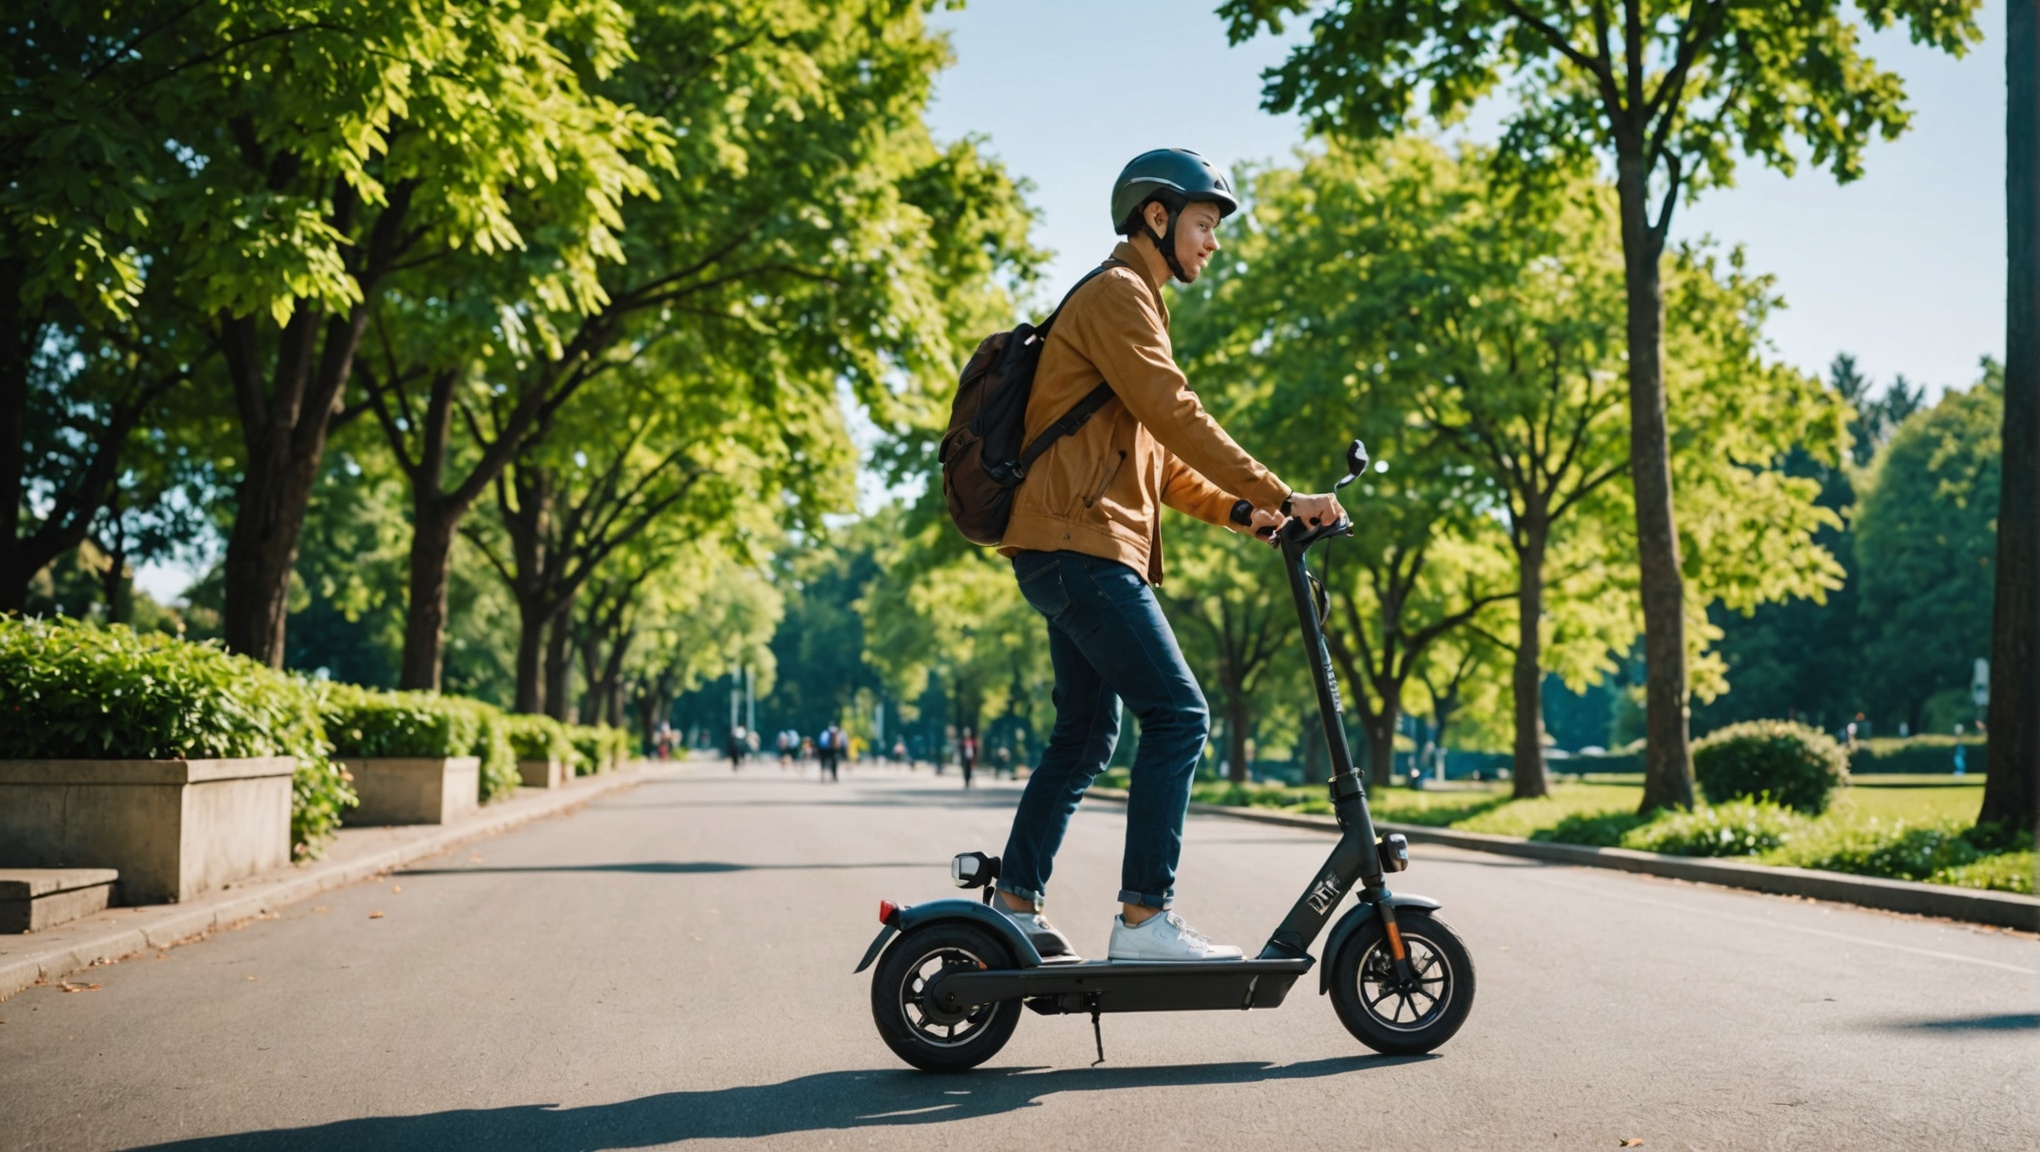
(886, 908)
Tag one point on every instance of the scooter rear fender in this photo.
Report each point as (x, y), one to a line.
(911, 916)
(1355, 917)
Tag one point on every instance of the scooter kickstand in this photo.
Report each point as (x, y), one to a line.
(1097, 1033)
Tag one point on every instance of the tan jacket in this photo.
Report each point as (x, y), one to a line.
(1100, 489)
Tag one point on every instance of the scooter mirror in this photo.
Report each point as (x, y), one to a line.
(1356, 463)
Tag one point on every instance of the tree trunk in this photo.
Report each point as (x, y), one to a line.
(559, 667)
(1528, 775)
(1668, 759)
(284, 431)
(1381, 744)
(531, 698)
(14, 352)
(262, 548)
(433, 525)
(1236, 725)
(113, 582)
(2011, 788)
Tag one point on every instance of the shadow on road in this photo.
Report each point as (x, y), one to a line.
(669, 867)
(2001, 1022)
(824, 1102)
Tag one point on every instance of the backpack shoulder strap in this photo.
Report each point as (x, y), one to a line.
(1041, 329)
(1083, 409)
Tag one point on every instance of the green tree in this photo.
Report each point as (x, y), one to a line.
(948, 616)
(1797, 658)
(1232, 611)
(794, 246)
(1668, 94)
(323, 156)
(1925, 536)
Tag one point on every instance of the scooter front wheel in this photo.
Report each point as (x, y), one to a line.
(1397, 1017)
(921, 1032)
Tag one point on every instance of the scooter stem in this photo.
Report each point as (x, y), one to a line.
(1349, 795)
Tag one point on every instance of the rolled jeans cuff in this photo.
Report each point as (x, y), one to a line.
(1165, 901)
(1022, 893)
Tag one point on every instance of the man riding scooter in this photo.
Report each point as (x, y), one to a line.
(1085, 541)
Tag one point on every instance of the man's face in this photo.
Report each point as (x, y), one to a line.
(1196, 238)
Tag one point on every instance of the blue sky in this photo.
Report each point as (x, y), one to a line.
(1904, 268)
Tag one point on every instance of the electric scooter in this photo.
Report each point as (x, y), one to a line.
(953, 974)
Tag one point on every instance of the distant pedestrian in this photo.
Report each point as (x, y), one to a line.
(830, 746)
(736, 747)
(967, 753)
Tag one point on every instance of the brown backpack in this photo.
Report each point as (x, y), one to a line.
(982, 460)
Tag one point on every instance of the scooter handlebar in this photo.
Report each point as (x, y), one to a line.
(1243, 515)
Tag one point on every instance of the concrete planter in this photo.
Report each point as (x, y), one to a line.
(172, 828)
(542, 773)
(414, 789)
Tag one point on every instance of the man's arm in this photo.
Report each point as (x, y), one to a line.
(1186, 491)
(1121, 331)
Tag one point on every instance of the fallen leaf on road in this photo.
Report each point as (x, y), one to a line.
(1632, 1142)
(396, 887)
(254, 977)
(67, 986)
(321, 910)
(375, 915)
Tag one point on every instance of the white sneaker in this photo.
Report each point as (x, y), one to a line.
(1164, 936)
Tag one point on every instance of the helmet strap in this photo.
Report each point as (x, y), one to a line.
(1166, 242)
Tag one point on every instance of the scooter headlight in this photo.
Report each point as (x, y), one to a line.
(974, 870)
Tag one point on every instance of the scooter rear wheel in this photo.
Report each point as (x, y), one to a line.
(1389, 1016)
(918, 1031)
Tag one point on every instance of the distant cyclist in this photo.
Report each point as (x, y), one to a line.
(1085, 540)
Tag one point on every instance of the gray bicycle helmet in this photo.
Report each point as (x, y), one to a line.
(1176, 177)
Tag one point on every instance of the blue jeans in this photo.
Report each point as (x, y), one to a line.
(1109, 642)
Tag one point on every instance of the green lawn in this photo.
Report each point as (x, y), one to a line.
(1904, 827)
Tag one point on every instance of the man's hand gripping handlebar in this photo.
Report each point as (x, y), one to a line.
(1317, 516)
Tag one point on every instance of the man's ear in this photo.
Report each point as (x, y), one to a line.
(1156, 214)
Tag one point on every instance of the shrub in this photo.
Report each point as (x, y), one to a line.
(540, 738)
(71, 691)
(1791, 764)
(499, 777)
(1593, 829)
(1737, 828)
(598, 747)
(365, 722)
(368, 722)
(2011, 872)
(1899, 850)
(1921, 755)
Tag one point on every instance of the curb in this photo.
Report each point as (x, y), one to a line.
(183, 923)
(1974, 905)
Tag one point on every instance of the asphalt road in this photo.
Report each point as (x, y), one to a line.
(671, 967)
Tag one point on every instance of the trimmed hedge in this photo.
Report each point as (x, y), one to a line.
(540, 738)
(1791, 764)
(1922, 755)
(77, 691)
(598, 747)
(367, 722)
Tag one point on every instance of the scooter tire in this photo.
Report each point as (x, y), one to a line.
(911, 1028)
(1373, 1009)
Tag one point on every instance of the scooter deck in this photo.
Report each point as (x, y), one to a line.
(1125, 986)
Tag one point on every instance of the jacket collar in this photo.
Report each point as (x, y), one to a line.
(1127, 254)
